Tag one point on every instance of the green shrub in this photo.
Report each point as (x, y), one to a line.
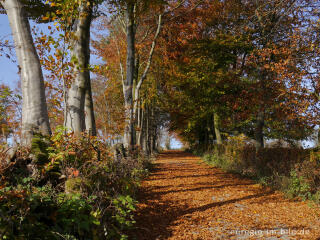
(221, 161)
(37, 213)
(264, 180)
(298, 187)
(316, 197)
(124, 206)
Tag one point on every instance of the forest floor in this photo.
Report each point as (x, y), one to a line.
(184, 198)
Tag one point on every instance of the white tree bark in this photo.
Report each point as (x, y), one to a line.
(147, 68)
(80, 115)
(128, 140)
(141, 127)
(89, 111)
(34, 107)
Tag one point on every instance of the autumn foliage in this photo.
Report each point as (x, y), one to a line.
(223, 77)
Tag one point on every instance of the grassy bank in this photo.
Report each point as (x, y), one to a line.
(295, 171)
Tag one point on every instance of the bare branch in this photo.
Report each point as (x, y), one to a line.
(120, 63)
(146, 70)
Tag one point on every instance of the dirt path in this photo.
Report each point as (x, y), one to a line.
(187, 199)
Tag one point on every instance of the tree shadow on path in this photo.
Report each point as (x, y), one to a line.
(159, 212)
(157, 218)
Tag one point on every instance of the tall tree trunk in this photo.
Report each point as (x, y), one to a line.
(216, 121)
(142, 130)
(210, 129)
(138, 120)
(147, 68)
(258, 132)
(146, 139)
(34, 107)
(167, 144)
(153, 131)
(79, 116)
(206, 137)
(89, 111)
(154, 140)
(139, 82)
(128, 139)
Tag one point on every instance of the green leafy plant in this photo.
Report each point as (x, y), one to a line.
(298, 186)
(79, 191)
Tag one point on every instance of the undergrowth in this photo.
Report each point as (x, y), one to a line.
(68, 187)
(294, 171)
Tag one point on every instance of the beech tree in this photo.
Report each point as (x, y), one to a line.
(140, 23)
(34, 107)
(79, 105)
(131, 92)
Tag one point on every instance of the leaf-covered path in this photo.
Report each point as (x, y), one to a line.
(185, 198)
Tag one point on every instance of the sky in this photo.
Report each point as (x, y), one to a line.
(8, 69)
(175, 144)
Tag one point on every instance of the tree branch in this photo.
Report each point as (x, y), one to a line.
(146, 70)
